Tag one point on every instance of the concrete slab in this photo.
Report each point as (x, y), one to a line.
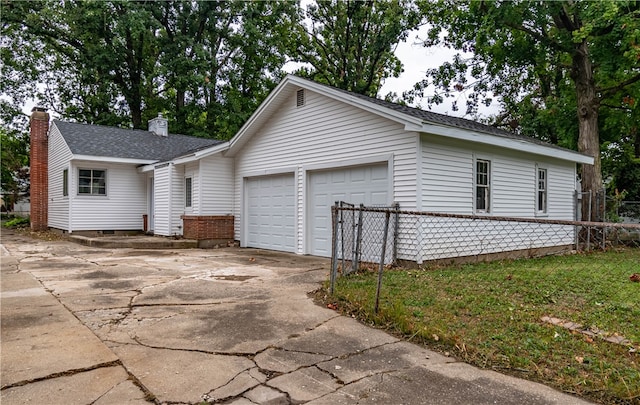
(179, 375)
(40, 337)
(88, 387)
(267, 396)
(240, 384)
(286, 361)
(305, 384)
(339, 337)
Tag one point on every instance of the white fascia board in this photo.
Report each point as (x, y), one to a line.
(515, 144)
(110, 159)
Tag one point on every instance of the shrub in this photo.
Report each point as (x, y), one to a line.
(17, 222)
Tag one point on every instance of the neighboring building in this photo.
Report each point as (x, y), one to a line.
(307, 146)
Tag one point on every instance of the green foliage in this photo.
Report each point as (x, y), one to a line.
(350, 44)
(17, 222)
(205, 64)
(14, 163)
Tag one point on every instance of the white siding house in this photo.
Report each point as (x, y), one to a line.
(307, 146)
(96, 182)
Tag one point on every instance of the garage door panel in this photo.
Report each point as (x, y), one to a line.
(364, 184)
(271, 212)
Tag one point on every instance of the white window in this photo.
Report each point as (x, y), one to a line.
(541, 192)
(92, 182)
(187, 192)
(65, 182)
(483, 185)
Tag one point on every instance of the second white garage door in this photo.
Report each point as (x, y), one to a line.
(271, 212)
(368, 185)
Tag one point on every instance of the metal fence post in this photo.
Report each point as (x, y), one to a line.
(589, 217)
(396, 207)
(358, 246)
(334, 249)
(382, 256)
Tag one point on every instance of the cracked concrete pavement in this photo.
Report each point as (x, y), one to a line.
(82, 325)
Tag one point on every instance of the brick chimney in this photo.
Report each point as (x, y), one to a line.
(39, 169)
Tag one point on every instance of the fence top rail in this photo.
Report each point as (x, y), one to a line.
(491, 218)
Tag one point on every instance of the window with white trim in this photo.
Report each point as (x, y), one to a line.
(65, 182)
(541, 191)
(92, 182)
(483, 185)
(187, 192)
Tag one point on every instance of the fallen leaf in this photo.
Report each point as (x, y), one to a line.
(252, 259)
(588, 339)
(579, 359)
(635, 277)
(332, 306)
(435, 337)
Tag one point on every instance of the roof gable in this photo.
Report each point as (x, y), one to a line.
(414, 119)
(118, 143)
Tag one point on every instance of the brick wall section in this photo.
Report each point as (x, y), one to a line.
(39, 166)
(201, 227)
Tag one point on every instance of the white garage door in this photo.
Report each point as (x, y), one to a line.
(271, 208)
(368, 185)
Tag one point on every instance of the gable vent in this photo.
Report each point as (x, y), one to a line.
(300, 98)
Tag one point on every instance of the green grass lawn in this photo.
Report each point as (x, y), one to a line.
(489, 315)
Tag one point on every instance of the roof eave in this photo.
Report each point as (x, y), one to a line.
(507, 143)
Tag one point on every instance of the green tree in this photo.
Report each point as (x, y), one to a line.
(95, 60)
(350, 44)
(14, 162)
(219, 60)
(544, 61)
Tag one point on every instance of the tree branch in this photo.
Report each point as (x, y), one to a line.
(610, 90)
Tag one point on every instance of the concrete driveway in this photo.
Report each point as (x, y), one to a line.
(82, 325)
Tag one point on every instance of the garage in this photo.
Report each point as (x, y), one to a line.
(368, 185)
(271, 212)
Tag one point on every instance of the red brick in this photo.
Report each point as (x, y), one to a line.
(39, 166)
(208, 227)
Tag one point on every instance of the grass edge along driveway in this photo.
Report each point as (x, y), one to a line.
(490, 315)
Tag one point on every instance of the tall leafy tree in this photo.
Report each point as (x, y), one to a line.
(350, 44)
(554, 66)
(95, 60)
(219, 59)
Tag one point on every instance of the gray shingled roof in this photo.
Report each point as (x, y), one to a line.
(98, 140)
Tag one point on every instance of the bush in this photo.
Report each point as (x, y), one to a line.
(17, 222)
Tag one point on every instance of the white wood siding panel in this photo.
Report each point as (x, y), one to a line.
(161, 200)
(177, 198)
(447, 180)
(321, 132)
(123, 206)
(271, 212)
(59, 159)
(216, 186)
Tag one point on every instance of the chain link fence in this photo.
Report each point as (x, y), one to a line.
(375, 237)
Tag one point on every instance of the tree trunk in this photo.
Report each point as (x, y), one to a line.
(588, 135)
